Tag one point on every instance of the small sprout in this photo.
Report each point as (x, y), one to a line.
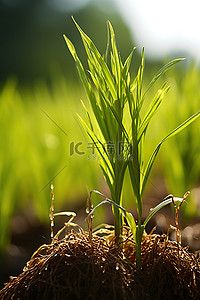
(90, 216)
(89, 211)
(63, 213)
(177, 202)
(51, 214)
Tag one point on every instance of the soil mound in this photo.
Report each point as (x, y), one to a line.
(76, 267)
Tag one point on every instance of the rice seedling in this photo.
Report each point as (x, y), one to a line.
(118, 105)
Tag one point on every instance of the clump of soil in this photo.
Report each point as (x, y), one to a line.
(169, 271)
(78, 267)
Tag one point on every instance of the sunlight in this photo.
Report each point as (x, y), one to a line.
(163, 27)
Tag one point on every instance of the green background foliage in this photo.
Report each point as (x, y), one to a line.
(33, 149)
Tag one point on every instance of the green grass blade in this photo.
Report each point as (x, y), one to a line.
(79, 66)
(122, 167)
(94, 55)
(182, 125)
(101, 151)
(129, 217)
(116, 60)
(134, 171)
(159, 206)
(164, 69)
(139, 81)
(108, 43)
(119, 121)
(107, 178)
(88, 116)
(171, 134)
(100, 117)
(156, 209)
(127, 64)
(152, 110)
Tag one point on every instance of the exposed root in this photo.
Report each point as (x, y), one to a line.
(169, 270)
(73, 268)
(76, 268)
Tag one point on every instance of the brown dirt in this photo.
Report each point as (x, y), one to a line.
(76, 267)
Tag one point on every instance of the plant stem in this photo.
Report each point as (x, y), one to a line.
(118, 217)
(139, 234)
(118, 224)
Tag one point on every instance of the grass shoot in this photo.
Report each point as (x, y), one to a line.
(72, 215)
(111, 91)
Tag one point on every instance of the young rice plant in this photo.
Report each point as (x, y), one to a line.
(117, 102)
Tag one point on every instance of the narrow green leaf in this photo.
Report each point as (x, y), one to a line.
(155, 210)
(87, 115)
(164, 69)
(109, 122)
(159, 206)
(122, 169)
(116, 60)
(107, 178)
(119, 121)
(99, 115)
(94, 54)
(79, 66)
(135, 175)
(105, 159)
(140, 80)
(129, 217)
(108, 43)
(101, 149)
(127, 63)
(171, 134)
(152, 110)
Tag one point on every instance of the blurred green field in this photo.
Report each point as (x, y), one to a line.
(180, 156)
(37, 127)
(39, 124)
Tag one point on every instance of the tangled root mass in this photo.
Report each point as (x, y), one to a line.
(77, 267)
